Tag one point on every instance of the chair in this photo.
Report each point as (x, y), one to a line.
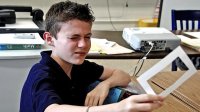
(189, 20)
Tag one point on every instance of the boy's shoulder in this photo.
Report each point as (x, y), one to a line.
(39, 70)
(39, 67)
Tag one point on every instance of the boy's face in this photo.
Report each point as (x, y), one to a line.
(73, 42)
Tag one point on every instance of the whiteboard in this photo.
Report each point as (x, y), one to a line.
(168, 5)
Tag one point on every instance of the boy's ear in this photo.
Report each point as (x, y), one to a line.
(48, 38)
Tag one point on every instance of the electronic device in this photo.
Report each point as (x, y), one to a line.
(117, 94)
(140, 38)
(37, 14)
(7, 16)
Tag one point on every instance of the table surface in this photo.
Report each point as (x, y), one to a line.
(187, 95)
(117, 37)
(171, 103)
(109, 35)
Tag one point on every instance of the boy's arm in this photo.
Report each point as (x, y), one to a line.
(134, 103)
(110, 78)
(115, 77)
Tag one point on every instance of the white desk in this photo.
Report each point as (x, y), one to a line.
(12, 76)
(14, 68)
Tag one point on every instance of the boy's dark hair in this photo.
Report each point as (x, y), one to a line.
(65, 11)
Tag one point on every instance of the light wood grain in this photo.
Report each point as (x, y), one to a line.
(188, 92)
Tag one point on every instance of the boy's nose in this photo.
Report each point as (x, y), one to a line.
(82, 43)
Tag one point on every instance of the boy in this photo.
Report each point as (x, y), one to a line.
(58, 82)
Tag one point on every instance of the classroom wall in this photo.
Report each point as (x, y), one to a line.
(168, 5)
(121, 16)
(13, 73)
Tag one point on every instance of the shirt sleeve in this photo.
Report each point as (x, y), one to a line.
(43, 93)
(88, 71)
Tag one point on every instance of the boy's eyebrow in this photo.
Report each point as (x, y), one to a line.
(89, 34)
(79, 34)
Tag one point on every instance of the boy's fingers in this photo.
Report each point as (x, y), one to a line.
(147, 98)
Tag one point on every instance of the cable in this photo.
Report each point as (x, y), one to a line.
(108, 7)
(151, 44)
(126, 3)
(142, 60)
(136, 74)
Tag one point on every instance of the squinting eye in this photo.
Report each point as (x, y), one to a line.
(73, 38)
(89, 37)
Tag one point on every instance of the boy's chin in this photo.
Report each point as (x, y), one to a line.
(78, 62)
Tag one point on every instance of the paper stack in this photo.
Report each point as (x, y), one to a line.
(192, 43)
(103, 46)
(192, 34)
(20, 41)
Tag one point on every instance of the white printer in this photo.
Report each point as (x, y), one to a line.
(139, 37)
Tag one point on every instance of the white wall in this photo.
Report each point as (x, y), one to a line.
(13, 73)
(121, 15)
(168, 5)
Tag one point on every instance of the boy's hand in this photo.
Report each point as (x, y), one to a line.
(141, 103)
(97, 95)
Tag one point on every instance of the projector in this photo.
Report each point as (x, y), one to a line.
(140, 38)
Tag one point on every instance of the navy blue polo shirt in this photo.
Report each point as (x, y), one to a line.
(47, 83)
